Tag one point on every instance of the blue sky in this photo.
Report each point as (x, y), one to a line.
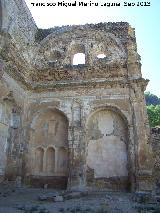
(145, 20)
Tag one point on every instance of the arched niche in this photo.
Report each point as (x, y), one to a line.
(49, 127)
(50, 160)
(62, 161)
(107, 150)
(39, 155)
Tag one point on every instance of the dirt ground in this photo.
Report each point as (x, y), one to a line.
(16, 200)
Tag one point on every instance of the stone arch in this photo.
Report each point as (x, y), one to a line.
(47, 124)
(42, 110)
(107, 149)
(50, 160)
(39, 156)
(113, 108)
(49, 129)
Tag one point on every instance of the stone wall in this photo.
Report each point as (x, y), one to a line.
(74, 126)
(5, 116)
(155, 133)
(3, 139)
(17, 35)
(78, 106)
(9, 132)
(107, 153)
(16, 20)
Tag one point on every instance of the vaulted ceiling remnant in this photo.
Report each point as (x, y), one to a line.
(43, 58)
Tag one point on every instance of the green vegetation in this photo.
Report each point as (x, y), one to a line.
(153, 109)
(151, 99)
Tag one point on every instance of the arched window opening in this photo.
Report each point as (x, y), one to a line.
(102, 55)
(39, 159)
(79, 58)
(50, 160)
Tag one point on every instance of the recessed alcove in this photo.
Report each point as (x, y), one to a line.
(50, 161)
(49, 139)
(39, 155)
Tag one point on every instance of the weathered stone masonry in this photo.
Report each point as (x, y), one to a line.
(155, 134)
(72, 126)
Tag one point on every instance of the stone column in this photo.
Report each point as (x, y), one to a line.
(75, 138)
(76, 159)
(70, 156)
(143, 150)
(131, 156)
(3, 149)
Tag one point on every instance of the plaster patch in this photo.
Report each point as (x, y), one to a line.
(108, 157)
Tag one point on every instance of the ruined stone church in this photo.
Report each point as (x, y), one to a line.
(72, 125)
